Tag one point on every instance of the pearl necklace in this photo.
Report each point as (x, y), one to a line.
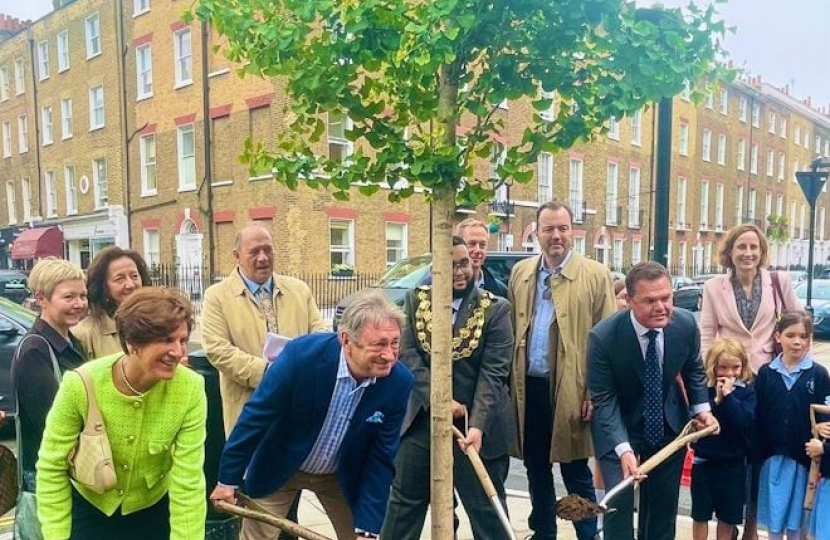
(127, 381)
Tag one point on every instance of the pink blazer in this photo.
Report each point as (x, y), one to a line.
(719, 316)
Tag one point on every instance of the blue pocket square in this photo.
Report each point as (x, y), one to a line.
(376, 418)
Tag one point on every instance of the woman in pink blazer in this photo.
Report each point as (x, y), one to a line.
(742, 303)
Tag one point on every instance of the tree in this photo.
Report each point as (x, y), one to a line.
(777, 231)
(408, 73)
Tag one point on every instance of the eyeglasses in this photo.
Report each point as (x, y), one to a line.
(463, 265)
(379, 346)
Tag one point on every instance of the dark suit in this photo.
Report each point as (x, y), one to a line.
(493, 284)
(281, 422)
(479, 383)
(615, 376)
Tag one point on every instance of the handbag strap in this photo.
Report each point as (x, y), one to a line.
(94, 421)
(777, 295)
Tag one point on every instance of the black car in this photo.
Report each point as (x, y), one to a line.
(687, 293)
(15, 321)
(13, 285)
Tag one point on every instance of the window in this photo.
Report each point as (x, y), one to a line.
(544, 173)
(26, 186)
(707, 145)
(704, 205)
(99, 182)
(579, 245)
(681, 202)
(739, 205)
(753, 200)
(23, 133)
(771, 122)
(341, 242)
(496, 161)
(806, 138)
(575, 196)
(779, 204)
(724, 101)
(63, 51)
(770, 163)
(797, 135)
(152, 251)
(396, 242)
(721, 149)
(756, 115)
(795, 170)
(801, 221)
(182, 54)
(636, 250)
(742, 106)
(710, 100)
(93, 36)
(741, 154)
(139, 7)
(818, 145)
(617, 262)
(614, 129)
(548, 114)
(767, 205)
(51, 195)
(46, 120)
(684, 139)
(637, 127)
(782, 166)
(753, 159)
(782, 129)
(611, 194)
(7, 139)
(339, 147)
(683, 248)
(66, 118)
(19, 76)
(187, 157)
(634, 197)
(792, 219)
(10, 203)
(719, 207)
(4, 83)
(43, 60)
(71, 190)
(96, 108)
(147, 153)
(144, 71)
(686, 95)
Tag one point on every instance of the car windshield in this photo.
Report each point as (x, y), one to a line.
(17, 312)
(406, 274)
(821, 290)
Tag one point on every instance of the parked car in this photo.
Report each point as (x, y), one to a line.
(797, 276)
(700, 279)
(820, 301)
(13, 285)
(15, 321)
(409, 273)
(687, 293)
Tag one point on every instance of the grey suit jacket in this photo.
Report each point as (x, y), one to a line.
(616, 369)
(480, 382)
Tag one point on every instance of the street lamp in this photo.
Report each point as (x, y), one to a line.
(811, 183)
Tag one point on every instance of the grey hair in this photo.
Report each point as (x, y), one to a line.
(369, 308)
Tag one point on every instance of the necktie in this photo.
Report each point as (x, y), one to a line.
(653, 393)
(266, 304)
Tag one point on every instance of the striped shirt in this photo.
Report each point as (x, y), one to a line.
(344, 400)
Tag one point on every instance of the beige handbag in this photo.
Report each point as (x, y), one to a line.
(90, 462)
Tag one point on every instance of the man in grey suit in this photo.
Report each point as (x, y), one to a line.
(482, 352)
(636, 360)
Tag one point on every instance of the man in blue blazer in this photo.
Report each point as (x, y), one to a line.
(636, 361)
(326, 417)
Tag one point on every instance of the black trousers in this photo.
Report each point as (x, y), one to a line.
(576, 474)
(89, 523)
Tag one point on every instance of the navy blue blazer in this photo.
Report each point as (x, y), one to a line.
(280, 424)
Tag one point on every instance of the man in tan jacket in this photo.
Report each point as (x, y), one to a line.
(556, 299)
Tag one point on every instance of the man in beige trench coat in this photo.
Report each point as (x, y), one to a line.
(556, 299)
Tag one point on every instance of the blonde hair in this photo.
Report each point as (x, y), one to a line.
(726, 347)
(49, 272)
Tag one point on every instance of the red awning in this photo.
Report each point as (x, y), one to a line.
(37, 243)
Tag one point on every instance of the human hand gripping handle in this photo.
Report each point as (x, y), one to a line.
(224, 493)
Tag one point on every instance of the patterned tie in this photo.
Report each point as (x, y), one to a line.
(654, 393)
(266, 304)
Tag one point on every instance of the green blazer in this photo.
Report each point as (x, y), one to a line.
(157, 446)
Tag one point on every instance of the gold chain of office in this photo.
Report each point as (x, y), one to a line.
(468, 337)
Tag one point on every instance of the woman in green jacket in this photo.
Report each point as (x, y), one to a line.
(154, 412)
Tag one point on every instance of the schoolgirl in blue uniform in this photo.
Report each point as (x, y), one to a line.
(785, 388)
(820, 518)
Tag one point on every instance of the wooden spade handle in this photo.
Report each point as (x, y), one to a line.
(667, 451)
(478, 467)
(281, 523)
(812, 478)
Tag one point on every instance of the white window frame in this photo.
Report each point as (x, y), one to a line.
(686, 94)
(636, 251)
(683, 248)
(681, 202)
(43, 60)
(11, 203)
(347, 252)
(739, 205)
(634, 177)
(797, 134)
(782, 128)
(51, 194)
(724, 101)
(579, 245)
(401, 251)
(792, 220)
(62, 41)
(779, 204)
(704, 205)
(48, 133)
(637, 127)
(617, 254)
(770, 162)
(782, 166)
(544, 177)
(756, 115)
(7, 138)
(710, 99)
(140, 7)
(719, 192)
(94, 108)
(144, 71)
(771, 118)
(67, 123)
(336, 136)
(19, 76)
(92, 29)
(612, 175)
(721, 149)
(753, 158)
(5, 85)
(752, 213)
(707, 145)
(148, 158)
(186, 162)
(817, 149)
(806, 138)
(71, 188)
(26, 192)
(100, 183)
(183, 59)
(683, 139)
(613, 129)
(152, 247)
(741, 161)
(22, 134)
(548, 114)
(767, 205)
(576, 171)
(743, 105)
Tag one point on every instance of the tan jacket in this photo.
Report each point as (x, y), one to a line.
(98, 339)
(583, 296)
(233, 333)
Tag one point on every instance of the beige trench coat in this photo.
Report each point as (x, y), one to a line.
(583, 296)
